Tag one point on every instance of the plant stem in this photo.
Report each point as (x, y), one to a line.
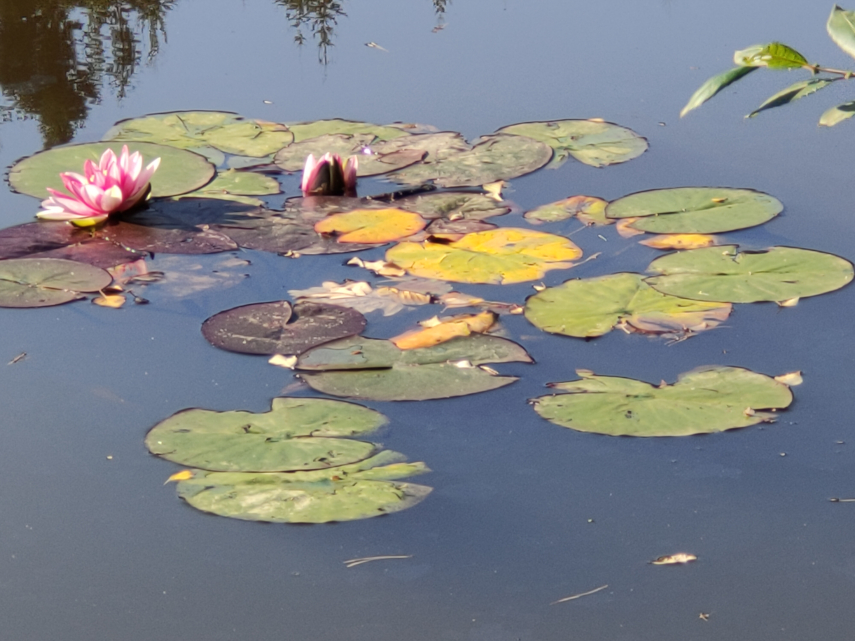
(839, 72)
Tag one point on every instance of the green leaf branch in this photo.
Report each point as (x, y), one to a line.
(776, 55)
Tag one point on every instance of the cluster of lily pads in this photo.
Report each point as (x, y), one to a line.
(209, 195)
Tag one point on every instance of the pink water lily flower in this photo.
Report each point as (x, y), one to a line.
(115, 184)
(328, 177)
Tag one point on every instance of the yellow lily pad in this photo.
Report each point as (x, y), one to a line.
(371, 225)
(498, 256)
(680, 241)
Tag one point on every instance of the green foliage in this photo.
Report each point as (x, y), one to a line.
(776, 55)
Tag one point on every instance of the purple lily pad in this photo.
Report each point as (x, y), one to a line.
(278, 328)
(61, 240)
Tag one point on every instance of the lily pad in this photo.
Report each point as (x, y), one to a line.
(588, 209)
(492, 158)
(371, 225)
(174, 227)
(198, 130)
(268, 328)
(452, 205)
(500, 256)
(292, 231)
(593, 142)
(294, 498)
(695, 210)
(594, 306)
(444, 229)
(305, 130)
(180, 171)
(47, 239)
(296, 434)
(238, 186)
(702, 401)
(373, 160)
(725, 274)
(42, 282)
(373, 369)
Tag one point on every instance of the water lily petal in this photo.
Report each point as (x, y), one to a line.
(309, 172)
(112, 199)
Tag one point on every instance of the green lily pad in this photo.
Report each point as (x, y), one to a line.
(727, 275)
(305, 130)
(279, 498)
(372, 369)
(238, 186)
(268, 328)
(492, 158)
(592, 142)
(42, 282)
(373, 160)
(180, 171)
(594, 306)
(454, 205)
(296, 434)
(702, 401)
(588, 209)
(199, 130)
(695, 210)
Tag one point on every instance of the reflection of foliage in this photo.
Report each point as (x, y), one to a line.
(321, 16)
(318, 16)
(53, 60)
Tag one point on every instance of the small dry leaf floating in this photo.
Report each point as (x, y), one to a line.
(704, 616)
(680, 241)
(538, 288)
(791, 378)
(790, 302)
(749, 412)
(436, 331)
(183, 475)
(494, 189)
(114, 301)
(675, 559)
(379, 267)
(280, 360)
(18, 358)
(430, 322)
(489, 370)
(625, 229)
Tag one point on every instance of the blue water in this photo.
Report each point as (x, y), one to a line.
(93, 546)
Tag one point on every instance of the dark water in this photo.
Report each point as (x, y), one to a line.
(523, 512)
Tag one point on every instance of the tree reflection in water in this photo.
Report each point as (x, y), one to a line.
(54, 62)
(57, 56)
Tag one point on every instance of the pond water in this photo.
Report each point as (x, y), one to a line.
(523, 512)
